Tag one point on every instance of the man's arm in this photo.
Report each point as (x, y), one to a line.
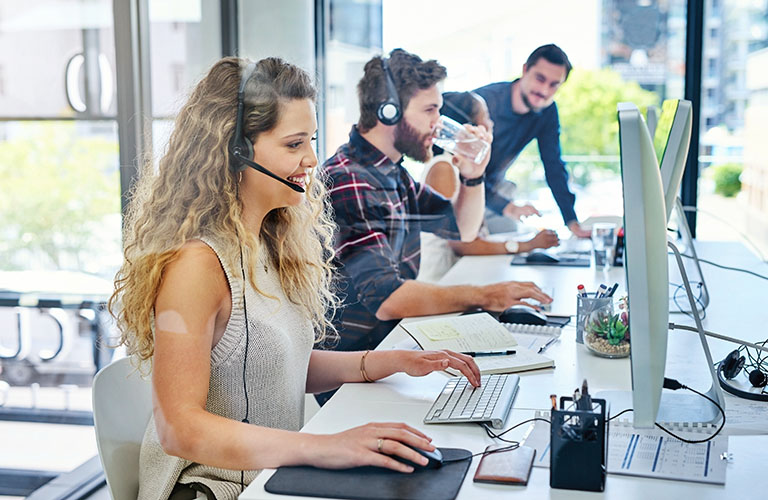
(554, 166)
(414, 298)
(470, 203)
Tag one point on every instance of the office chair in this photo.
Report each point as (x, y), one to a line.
(122, 405)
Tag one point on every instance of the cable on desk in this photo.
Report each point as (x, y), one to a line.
(622, 412)
(675, 385)
(728, 268)
(760, 346)
(513, 445)
(696, 298)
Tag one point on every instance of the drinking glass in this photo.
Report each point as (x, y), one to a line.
(604, 243)
(451, 136)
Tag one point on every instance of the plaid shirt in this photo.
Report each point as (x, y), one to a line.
(380, 211)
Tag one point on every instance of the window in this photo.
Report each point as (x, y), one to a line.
(60, 228)
(621, 51)
(734, 156)
(354, 36)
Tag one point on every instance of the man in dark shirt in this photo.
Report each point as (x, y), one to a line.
(380, 209)
(524, 110)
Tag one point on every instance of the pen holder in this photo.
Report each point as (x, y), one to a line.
(578, 444)
(586, 307)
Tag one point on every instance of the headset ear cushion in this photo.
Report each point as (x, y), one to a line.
(240, 148)
(732, 364)
(248, 146)
(758, 378)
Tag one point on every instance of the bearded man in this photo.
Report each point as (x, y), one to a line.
(380, 210)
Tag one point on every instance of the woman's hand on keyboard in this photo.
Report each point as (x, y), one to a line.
(370, 444)
(420, 363)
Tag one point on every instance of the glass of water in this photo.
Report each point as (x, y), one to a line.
(604, 243)
(451, 136)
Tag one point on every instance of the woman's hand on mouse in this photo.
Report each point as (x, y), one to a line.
(370, 444)
(420, 363)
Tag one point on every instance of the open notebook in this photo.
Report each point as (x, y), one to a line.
(476, 332)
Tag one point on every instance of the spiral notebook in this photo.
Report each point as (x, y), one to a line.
(480, 332)
(651, 452)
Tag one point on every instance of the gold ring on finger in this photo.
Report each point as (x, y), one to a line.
(379, 443)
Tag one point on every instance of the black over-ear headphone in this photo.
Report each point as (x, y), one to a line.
(730, 367)
(241, 147)
(389, 112)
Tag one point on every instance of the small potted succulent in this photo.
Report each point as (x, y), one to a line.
(607, 334)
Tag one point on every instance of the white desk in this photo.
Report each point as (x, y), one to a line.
(407, 399)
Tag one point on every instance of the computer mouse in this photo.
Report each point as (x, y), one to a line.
(541, 258)
(522, 315)
(435, 458)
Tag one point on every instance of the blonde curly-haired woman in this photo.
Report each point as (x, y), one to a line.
(226, 288)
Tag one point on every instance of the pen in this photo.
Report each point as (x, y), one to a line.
(581, 291)
(601, 291)
(547, 344)
(585, 399)
(612, 290)
(475, 354)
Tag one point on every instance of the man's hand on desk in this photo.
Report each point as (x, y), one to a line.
(545, 238)
(500, 296)
(579, 231)
(515, 211)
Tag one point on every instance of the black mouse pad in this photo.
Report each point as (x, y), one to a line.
(519, 260)
(373, 482)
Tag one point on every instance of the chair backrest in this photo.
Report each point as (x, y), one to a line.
(122, 405)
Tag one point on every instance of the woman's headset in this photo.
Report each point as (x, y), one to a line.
(732, 365)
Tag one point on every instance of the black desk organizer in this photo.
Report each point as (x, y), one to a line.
(579, 446)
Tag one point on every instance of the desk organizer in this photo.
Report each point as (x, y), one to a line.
(578, 444)
(585, 306)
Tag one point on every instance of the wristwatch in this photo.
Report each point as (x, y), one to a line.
(472, 182)
(511, 246)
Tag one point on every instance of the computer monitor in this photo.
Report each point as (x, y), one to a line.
(672, 141)
(647, 278)
(652, 118)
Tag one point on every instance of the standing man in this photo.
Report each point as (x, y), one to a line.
(380, 209)
(524, 110)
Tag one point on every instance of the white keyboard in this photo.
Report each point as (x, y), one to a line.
(460, 402)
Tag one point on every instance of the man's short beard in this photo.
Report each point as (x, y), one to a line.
(410, 143)
(530, 106)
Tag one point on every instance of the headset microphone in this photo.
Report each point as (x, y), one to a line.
(263, 170)
(240, 147)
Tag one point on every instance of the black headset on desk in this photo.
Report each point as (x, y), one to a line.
(733, 364)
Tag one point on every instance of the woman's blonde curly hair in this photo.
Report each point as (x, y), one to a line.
(194, 193)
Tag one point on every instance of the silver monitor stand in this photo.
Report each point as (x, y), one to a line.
(688, 246)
